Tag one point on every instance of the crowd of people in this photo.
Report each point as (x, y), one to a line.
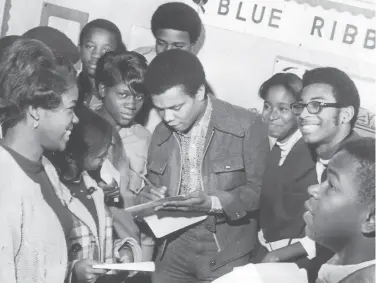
(295, 184)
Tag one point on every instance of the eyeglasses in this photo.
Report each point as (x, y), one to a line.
(313, 107)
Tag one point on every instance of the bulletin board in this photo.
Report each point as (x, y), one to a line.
(67, 20)
(140, 37)
(365, 124)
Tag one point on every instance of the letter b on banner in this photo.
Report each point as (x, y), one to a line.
(350, 34)
(369, 41)
(224, 7)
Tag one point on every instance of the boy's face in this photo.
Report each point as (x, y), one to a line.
(167, 39)
(94, 45)
(334, 213)
(320, 128)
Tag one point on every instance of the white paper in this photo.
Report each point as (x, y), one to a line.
(148, 266)
(265, 273)
(163, 223)
(108, 171)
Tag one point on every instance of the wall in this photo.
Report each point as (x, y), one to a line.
(236, 64)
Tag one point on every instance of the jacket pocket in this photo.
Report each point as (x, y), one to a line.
(229, 172)
(157, 167)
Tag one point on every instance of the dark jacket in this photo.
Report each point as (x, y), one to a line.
(284, 191)
(235, 152)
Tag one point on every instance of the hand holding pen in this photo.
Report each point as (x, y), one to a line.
(149, 192)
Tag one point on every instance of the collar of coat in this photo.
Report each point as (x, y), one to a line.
(79, 209)
(222, 119)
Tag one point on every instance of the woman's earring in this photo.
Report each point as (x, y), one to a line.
(35, 124)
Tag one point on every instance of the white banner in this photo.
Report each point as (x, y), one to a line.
(297, 24)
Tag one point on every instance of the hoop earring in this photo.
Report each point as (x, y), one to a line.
(35, 124)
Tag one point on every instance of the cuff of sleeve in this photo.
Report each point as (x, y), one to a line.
(309, 246)
(216, 206)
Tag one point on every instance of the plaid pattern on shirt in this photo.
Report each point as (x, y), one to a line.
(89, 243)
(87, 240)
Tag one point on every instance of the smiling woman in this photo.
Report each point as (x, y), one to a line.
(278, 93)
(290, 167)
(36, 106)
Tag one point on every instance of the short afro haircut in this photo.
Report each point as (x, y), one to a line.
(177, 16)
(106, 25)
(291, 82)
(362, 152)
(175, 68)
(344, 89)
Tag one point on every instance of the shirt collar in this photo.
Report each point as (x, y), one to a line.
(288, 145)
(333, 272)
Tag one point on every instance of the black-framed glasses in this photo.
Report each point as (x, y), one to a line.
(313, 107)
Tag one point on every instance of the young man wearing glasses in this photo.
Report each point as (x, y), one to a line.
(327, 112)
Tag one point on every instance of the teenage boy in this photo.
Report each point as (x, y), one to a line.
(327, 112)
(212, 153)
(340, 216)
(174, 25)
(341, 211)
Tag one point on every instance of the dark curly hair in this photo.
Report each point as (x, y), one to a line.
(177, 16)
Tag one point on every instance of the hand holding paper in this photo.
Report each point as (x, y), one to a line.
(194, 201)
(151, 193)
(83, 270)
(149, 208)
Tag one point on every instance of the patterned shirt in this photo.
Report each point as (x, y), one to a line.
(192, 152)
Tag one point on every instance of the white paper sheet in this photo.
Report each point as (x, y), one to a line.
(166, 222)
(265, 273)
(108, 171)
(147, 266)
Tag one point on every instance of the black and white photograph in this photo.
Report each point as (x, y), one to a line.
(187, 141)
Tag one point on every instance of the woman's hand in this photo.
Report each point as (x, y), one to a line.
(83, 271)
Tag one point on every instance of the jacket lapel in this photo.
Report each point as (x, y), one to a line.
(98, 198)
(73, 204)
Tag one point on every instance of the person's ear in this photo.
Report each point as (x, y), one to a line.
(200, 95)
(35, 115)
(102, 90)
(368, 227)
(347, 114)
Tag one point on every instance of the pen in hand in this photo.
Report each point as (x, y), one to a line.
(159, 192)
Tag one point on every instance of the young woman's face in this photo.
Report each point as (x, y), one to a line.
(95, 162)
(55, 125)
(121, 103)
(282, 123)
(96, 43)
